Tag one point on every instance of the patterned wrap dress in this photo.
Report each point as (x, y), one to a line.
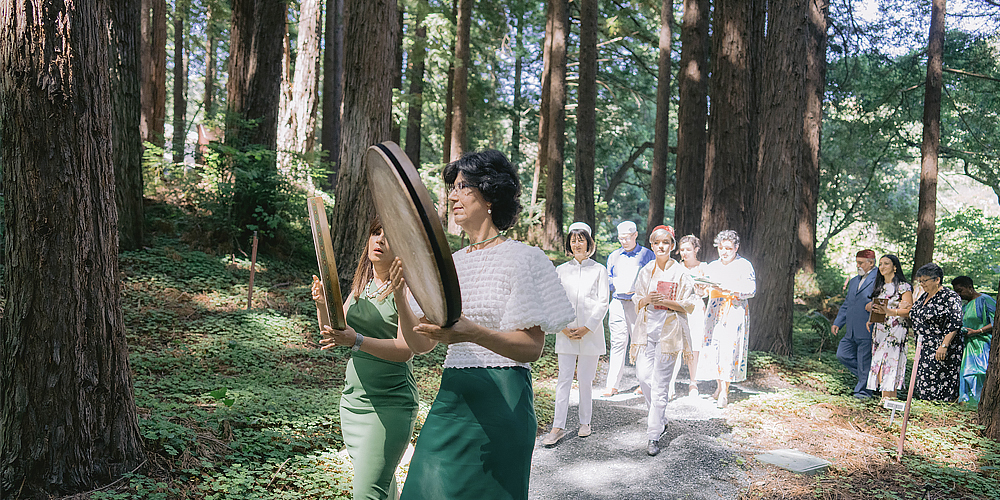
(479, 434)
(978, 313)
(727, 321)
(378, 405)
(933, 320)
(889, 343)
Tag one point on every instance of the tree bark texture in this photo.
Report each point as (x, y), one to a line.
(297, 129)
(927, 205)
(731, 154)
(369, 57)
(541, 162)
(773, 227)
(154, 71)
(692, 118)
(586, 115)
(210, 59)
(255, 61)
(397, 82)
(333, 87)
(124, 62)
(67, 414)
(460, 98)
(414, 112)
(807, 194)
(554, 150)
(180, 82)
(989, 402)
(515, 118)
(661, 142)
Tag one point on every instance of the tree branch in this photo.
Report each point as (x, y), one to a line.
(619, 175)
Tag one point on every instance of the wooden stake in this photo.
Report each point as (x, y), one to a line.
(253, 266)
(909, 398)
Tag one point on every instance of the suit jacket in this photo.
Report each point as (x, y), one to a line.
(852, 313)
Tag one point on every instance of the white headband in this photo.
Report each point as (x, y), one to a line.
(582, 226)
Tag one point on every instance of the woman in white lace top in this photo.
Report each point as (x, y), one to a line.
(480, 432)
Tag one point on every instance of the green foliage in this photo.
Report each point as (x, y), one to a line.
(968, 243)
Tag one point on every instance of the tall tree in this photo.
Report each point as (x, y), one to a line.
(449, 98)
(807, 177)
(989, 403)
(661, 143)
(367, 119)
(515, 113)
(927, 207)
(586, 115)
(731, 154)
(541, 161)
(460, 91)
(692, 117)
(154, 71)
(125, 48)
(397, 80)
(781, 153)
(180, 81)
(255, 61)
(556, 123)
(414, 112)
(333, 86)
(297, 126)
(210, 62)
(67, 412)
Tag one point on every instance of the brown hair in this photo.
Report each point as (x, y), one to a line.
(365, 272)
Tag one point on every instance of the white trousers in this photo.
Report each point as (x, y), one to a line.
(586, 369)
(654, 371)
(621, 319)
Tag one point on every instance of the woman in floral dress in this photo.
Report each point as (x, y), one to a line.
(889, 337)
(937, 318)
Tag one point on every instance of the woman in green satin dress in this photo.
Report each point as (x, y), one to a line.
(378, 405)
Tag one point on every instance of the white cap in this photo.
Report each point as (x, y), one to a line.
(581, 226)
(626, 228)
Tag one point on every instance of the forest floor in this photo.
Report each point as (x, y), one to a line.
(242, 404)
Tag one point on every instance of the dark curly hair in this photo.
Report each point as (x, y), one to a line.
(491, 173)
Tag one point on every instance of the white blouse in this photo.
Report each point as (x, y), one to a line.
(586, 285)
(511, 286)
(667, 327)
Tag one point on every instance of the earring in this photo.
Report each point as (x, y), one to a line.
(489, 211)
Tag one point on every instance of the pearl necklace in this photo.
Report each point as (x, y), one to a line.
(378, 291)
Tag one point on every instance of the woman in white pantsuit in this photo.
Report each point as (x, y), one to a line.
(582, 342)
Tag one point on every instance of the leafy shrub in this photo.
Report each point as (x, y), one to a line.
(968, 242)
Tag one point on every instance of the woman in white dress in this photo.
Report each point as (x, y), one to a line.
(581, 343)
(727, 321)
(664, 295)
(688, 248)
(479, 434)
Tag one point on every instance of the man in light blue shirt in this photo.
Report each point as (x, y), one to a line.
(623, 266)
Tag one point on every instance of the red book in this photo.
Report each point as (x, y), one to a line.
(668, 289)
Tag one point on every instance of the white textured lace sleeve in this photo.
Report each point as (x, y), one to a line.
(538, 297)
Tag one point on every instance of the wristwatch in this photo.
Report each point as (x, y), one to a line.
(357, 342)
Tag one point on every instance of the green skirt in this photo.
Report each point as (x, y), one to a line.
(377, 410)
(478, 437)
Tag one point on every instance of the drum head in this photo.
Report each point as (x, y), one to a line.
(414, 232)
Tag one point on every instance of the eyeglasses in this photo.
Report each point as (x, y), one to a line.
(921, 282)
(462, 187)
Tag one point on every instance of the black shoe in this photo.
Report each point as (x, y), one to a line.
(653, 448)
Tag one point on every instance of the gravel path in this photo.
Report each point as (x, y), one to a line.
(697, 460)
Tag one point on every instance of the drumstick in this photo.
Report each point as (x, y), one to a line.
(327, 262)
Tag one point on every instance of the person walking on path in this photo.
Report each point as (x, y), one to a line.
(664, 296)
(855, 350)
(977, 318)
(888, 363)
(688, 248)
(581, 343)
(937, 320)
(623, 266)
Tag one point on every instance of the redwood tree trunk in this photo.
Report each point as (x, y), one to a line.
(414, 112)
(538, 176)
(180, 82)
(297, 130)
(333, 86)
(661, 144)
(460, 99)
(586, 116)
(731, 154)
(125, 52)
(989, 402)
(927, 206)
(556, 128)
(692, 117)
(807, 194)
(515, 118)
(154, 71)
(397, 82)
(367, 120)
(210, 58)
(255, 61)
(67, 412)
(780, 156)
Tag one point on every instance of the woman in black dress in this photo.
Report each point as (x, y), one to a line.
(937, 318)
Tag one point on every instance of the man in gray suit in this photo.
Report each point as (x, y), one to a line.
(855, 349)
